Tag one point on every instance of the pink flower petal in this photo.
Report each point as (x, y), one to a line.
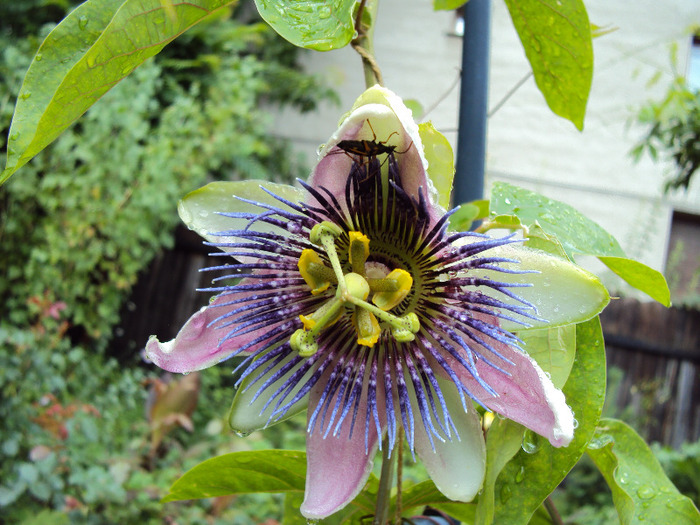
(526, 396)
(337, 467)
(198, 344)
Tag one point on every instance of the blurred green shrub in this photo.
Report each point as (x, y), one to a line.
(83, 218)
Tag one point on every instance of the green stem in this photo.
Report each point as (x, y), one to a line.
(399, 480)
(553, 512)
(364, 42)
(381, 513)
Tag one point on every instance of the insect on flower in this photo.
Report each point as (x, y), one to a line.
(357, 304)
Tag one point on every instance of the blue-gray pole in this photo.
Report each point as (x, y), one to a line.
(471, 141)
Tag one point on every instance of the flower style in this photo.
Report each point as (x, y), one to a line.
(356, 303)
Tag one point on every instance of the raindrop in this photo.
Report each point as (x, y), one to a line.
(203, 214)
(531, 442)
(311, 522)
(520, 475)
(646, 492)
(324, 12)
(507, 201)
(25, 95)
(241, 434)
(623, 478)
(575, 423)
(127, 70)
(90, 61)
(82, 22)
(14, 136)
(38, 57)
(600, 442)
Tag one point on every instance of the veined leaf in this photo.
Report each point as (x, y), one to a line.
(640, 489)
(538, 468)
(91, 50)
(557, 40)
(315, 24)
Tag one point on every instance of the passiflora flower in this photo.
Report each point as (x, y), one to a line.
(356, 303)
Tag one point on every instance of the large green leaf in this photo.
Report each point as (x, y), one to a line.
(640, 276)
(556, 37)
(538, 468)
(641, 491)
(242, 472)
(315, 24)
(91, 50)
(576, 233)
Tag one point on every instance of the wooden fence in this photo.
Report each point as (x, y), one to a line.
(654, 352)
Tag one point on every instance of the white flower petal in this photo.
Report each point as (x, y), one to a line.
(456, 466)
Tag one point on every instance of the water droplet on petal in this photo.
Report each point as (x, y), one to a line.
(241, 434)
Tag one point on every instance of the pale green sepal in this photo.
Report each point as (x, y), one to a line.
(641, 277)
(441, 168)
(562, 292)
(198, 209)
(245, 415)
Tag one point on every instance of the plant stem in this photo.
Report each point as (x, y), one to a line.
(399, 480)
(381, 513)
(363, 42)
(553, 512)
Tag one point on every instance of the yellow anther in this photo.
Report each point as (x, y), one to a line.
(367, 327)
(386, 300)
(309, 322)
(359, 251)
(314, 272)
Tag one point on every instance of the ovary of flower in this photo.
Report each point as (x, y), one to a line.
(353, 290)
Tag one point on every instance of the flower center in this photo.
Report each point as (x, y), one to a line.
(365, 291)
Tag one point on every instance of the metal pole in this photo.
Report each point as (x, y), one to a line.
(471, 141)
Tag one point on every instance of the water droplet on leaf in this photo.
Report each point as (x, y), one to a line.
(82, 22)
(520, 475)
(646, 492)
(25, 95)
(505, 493)
(531, 442)
(38, 57)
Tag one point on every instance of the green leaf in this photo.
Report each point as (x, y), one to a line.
(576, 232)
(91, 50)
(315, 24)
(447, 5)
(640, 276)
(503, 441)
(641, 491)
(467, 213)
(554, 349)
(529, 478)
(438, 153)
(242, 472)
(418, 496)
(556, 37)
